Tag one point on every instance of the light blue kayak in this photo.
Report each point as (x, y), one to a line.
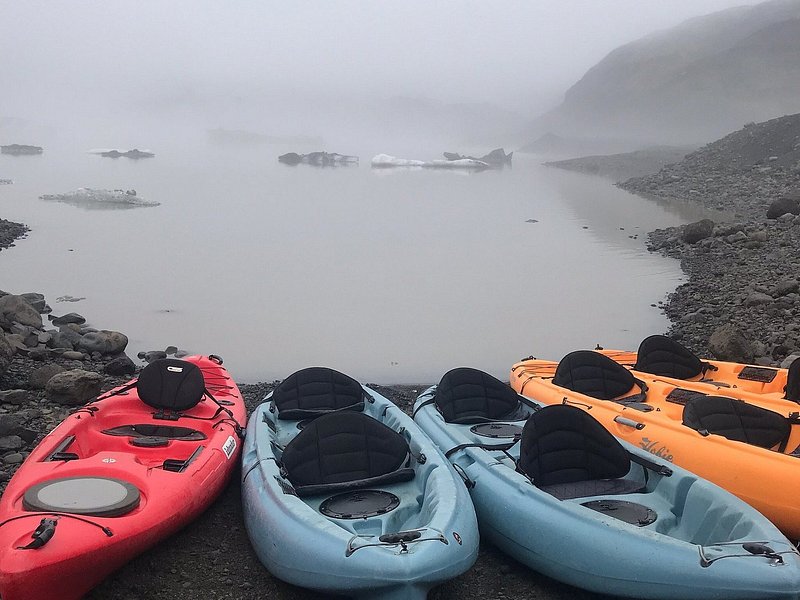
(344, 494)
(556, 491)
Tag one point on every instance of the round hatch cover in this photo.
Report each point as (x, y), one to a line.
(359, 504)
(630, 512)
(95, 496)
(497, 430)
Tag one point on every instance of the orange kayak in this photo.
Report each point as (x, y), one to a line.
(667, 359)
(745, 448)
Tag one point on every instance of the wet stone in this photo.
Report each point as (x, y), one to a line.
(14, 458)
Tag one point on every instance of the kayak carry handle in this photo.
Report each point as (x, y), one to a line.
(629, 422)
(42, 534)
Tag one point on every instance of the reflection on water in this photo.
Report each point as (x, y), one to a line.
(389, 277)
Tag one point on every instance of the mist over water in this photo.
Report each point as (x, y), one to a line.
(392, 276)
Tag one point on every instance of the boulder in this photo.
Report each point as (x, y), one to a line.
(11, 442)
(104, 342)
(67, 318)
(74, 387)
(16, 397)
(7, 352)
(17, 308)
(781, 206)
(728, 343)
(11, 424)
(40, 354)
(121, 365)
(65, 338)
(151, 355)
(37, 301)
(783, 288)
(757, 299)
(38, 378)
(700, 230)
(14, 458)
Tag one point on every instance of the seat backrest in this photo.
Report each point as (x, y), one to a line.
(793, 381)
(593, 374)
(344, 450)
(736, 420)
(564, 444)
(660, 355)
(466, 395)
(171, 384)
(315, 391)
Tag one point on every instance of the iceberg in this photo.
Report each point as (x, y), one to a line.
(94, 198)
(114, 153)
(320, 159)
(383, 161)
(6, 181)
(496, 157)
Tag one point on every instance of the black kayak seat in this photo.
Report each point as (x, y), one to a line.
(171, 384)
(663, 356)
(315, 391)
(568, 454)
(793, 381)
(467, 396)
(345, 450)
(736, 420)
(593, 374)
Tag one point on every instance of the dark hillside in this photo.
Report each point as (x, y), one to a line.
(742, 172)
(692, 82)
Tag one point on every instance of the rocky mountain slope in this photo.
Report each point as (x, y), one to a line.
(743, 271)
(744, 172)
(692, 82)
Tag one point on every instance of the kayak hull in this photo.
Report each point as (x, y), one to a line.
(569, 542)
(348, 558)
(86, 548)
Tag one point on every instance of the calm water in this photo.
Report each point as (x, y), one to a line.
(390, 276)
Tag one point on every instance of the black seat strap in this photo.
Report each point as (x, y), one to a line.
(651, 465)
(499, 447)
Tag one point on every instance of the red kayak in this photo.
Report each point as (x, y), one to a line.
(117, 476)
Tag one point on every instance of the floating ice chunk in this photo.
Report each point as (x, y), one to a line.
(92, 198)
(385, 161)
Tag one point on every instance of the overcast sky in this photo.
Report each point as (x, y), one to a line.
(520, 54)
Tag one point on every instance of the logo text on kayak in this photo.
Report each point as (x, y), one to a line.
(655, 447)
(229, 446)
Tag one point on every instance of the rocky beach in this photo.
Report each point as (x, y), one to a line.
(741, 302)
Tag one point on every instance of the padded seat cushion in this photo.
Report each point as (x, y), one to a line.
(736, 420)
(593, 374)
(171, 384)
(660, 355)
(315, 391)
(466, 395)
(593, 487)
(345, 450)
(562, 444)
